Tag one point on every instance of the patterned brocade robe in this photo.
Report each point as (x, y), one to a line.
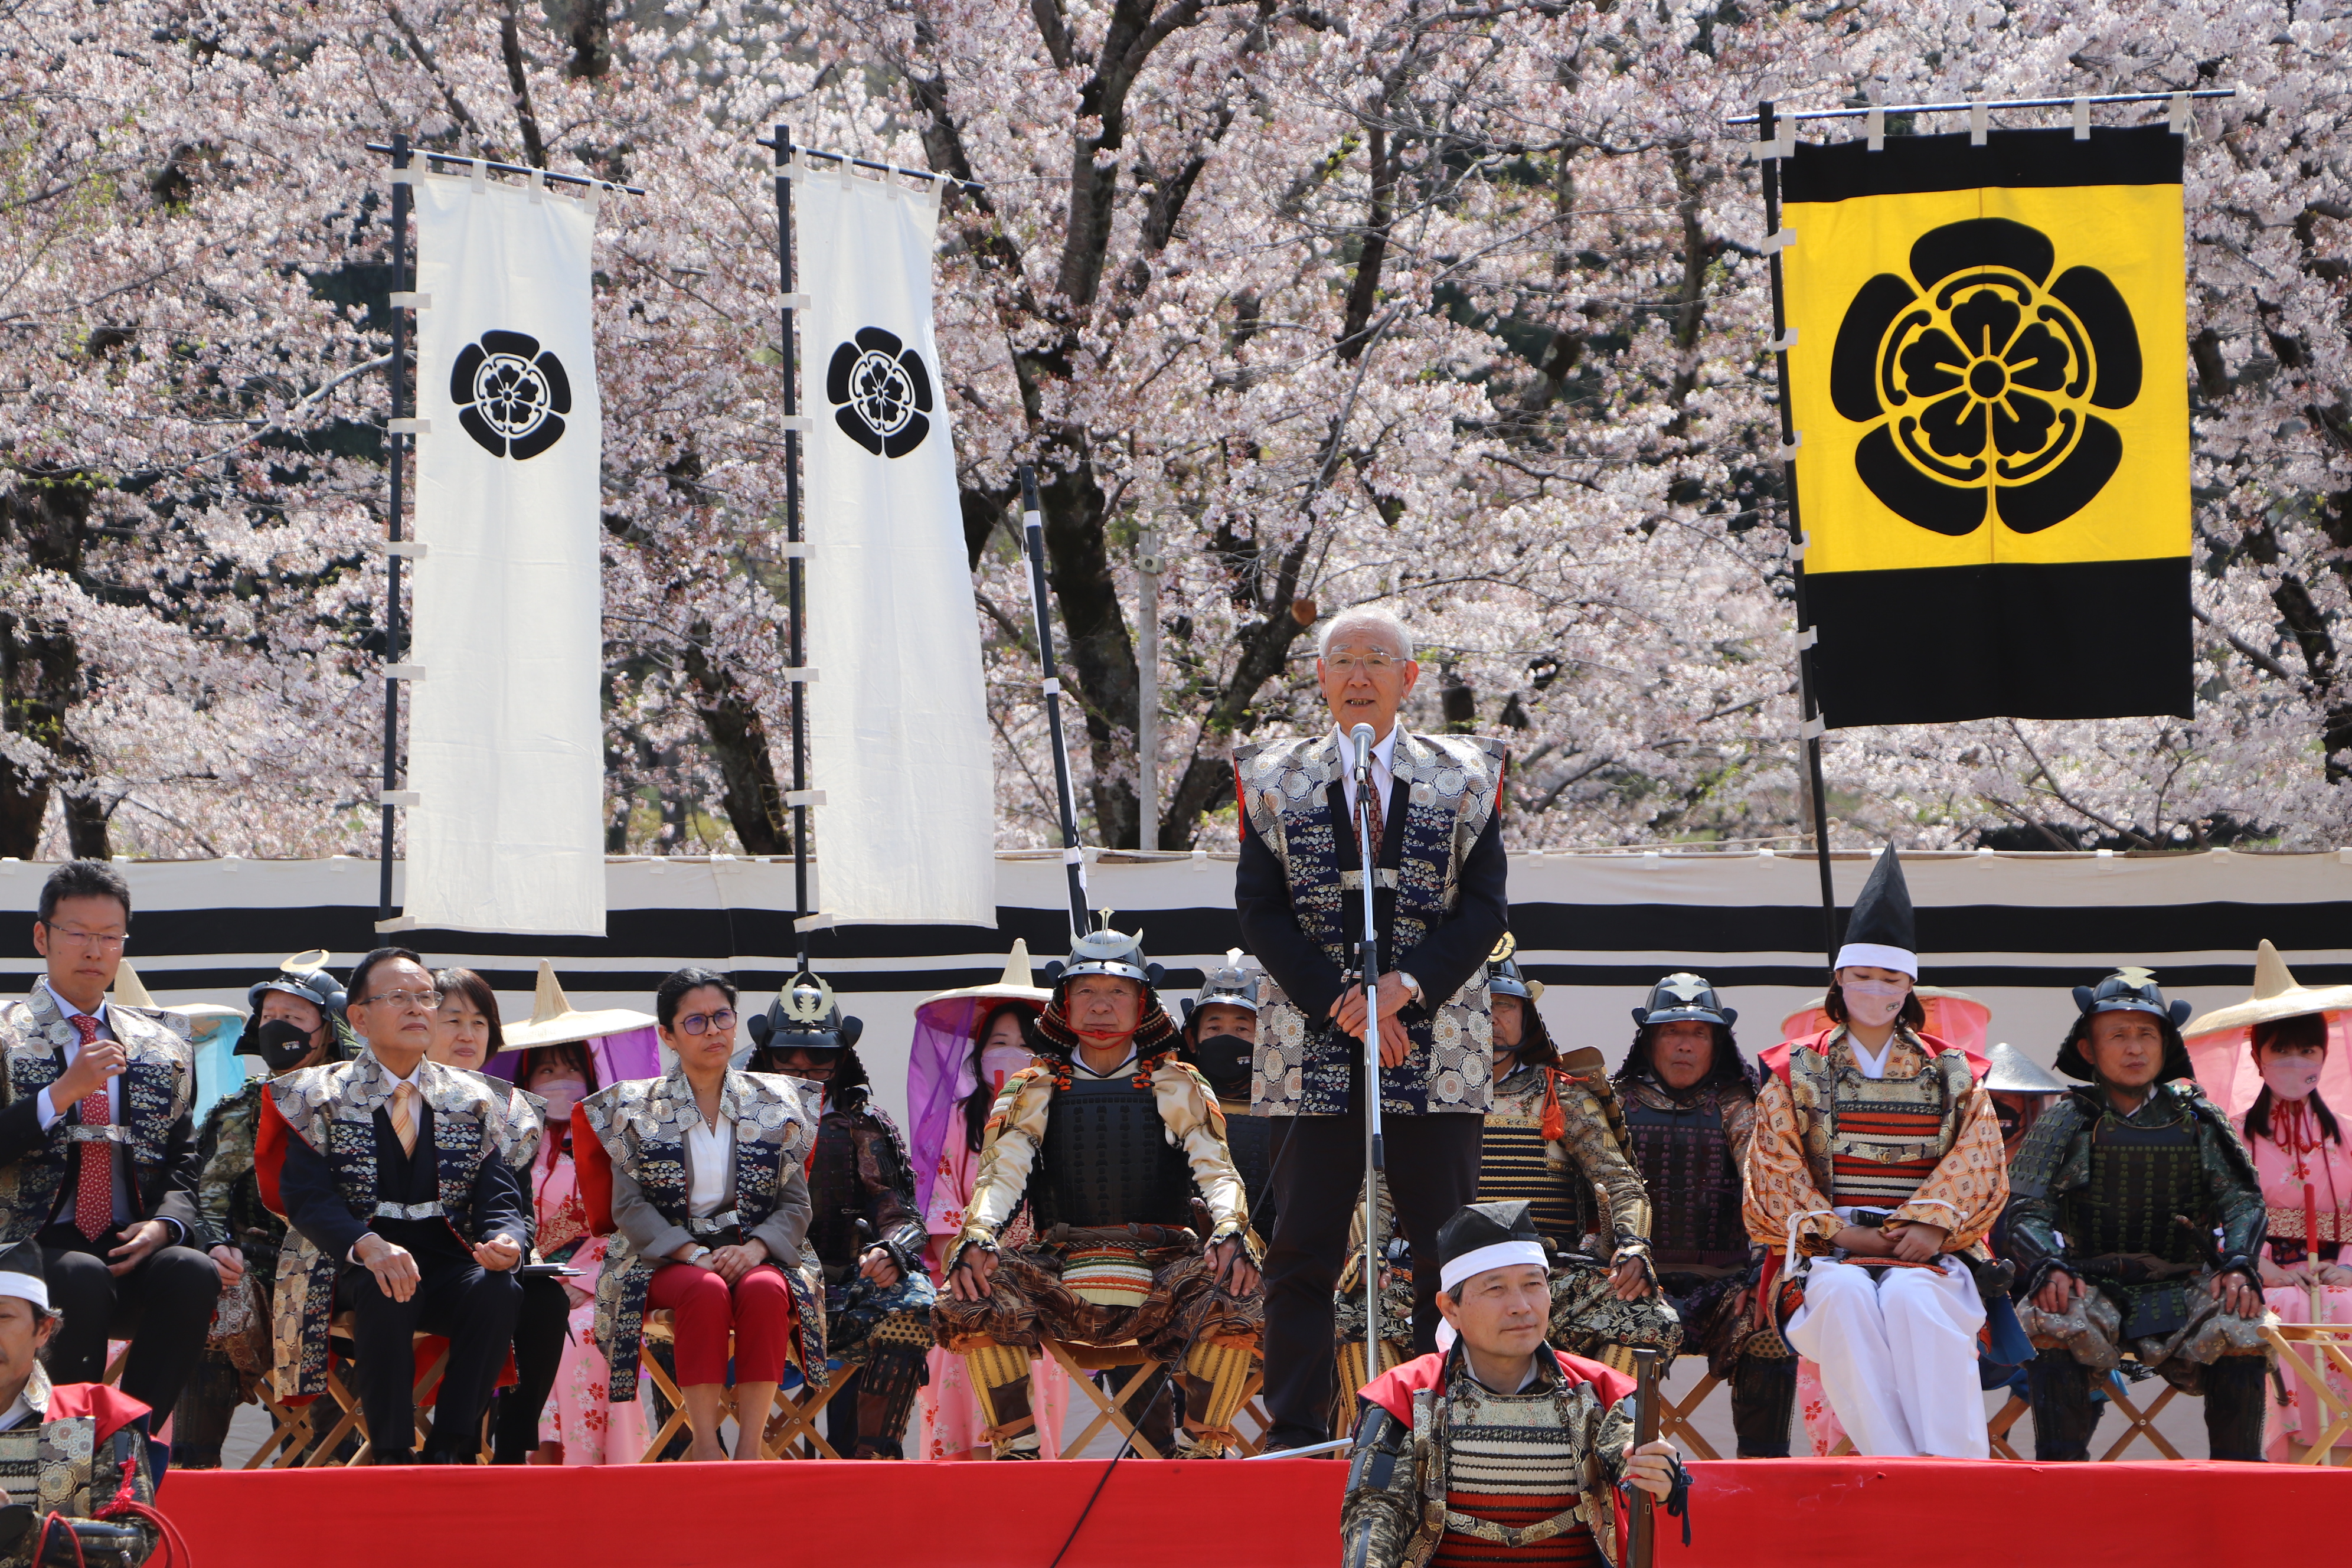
(1922, 1142)
(85, 1450)
(641, 1124)
(332, 1109)
(159, 1088)
(1451, 783)
(1444, 1470)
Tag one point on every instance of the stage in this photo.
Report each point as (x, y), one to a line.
(1279, 1513)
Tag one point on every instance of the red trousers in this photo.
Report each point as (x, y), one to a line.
(758, 1309)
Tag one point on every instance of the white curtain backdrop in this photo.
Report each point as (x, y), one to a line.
(897, 729)
(506, 739)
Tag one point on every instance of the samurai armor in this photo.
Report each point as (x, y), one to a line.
(2140, 1177)
(1889, 1136)
(1513, 1163)
(1106, 1160)
(1684, 1157)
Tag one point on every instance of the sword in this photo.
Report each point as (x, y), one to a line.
(1642, 1533)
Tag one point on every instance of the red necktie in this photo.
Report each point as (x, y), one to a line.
(94, 1184)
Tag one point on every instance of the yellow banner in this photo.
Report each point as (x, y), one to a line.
(1990, 376)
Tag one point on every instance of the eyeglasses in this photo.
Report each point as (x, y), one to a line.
(400, 1001)
(722, 1021)
(1368, 663)
(104, 941)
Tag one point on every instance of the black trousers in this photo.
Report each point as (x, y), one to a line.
(2065, 1417)
(540, 1323)
(457, 1297)
(1318, 1171)
(164, 1307)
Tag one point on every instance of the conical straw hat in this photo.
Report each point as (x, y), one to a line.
(2276, 995)
(1015, 986)
(130, 990)
(555, 1022)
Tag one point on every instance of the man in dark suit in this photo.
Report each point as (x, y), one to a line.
(1439, 907)
(98, 1149)
(398, 1183)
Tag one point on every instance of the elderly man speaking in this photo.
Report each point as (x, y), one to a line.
(1439, 907)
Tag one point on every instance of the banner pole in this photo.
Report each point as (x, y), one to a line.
(395, 454)
(1767, 135)
(1032, 528)
(793, 554)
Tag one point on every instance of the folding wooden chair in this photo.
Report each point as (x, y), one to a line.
(2329, 1348)
(294, 1433)
(2139, 1423)
(792, 1432)
(1110, 1408)
(1997, 1430)
(1675, 1414)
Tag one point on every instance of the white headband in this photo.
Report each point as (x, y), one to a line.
(1878, 956)
(1501, 1255)
(28, 1286)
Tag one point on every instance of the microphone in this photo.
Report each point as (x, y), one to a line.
(1360, 737)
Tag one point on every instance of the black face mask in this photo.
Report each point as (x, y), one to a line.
(1226, 1061)
(283, 1043)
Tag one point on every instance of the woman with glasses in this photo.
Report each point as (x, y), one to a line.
(710, 1204)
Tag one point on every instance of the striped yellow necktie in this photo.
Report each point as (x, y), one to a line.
(403, 1116)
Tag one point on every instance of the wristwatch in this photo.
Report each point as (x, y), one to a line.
(697, 1254)
(1412, 986)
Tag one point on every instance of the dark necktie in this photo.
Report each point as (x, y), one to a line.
(94, 1182)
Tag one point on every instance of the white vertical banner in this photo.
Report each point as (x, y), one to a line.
(505, 748)
(899, 736)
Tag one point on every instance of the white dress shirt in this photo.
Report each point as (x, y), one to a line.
(16, 1415)
(710, 1161)
(1383, 749)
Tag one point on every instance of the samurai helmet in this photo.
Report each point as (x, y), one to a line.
(1106, 952)
(1230, 985)
(1504, 976)
(302, 974)
(1684, 996)
(806, 1016)
(2128, 990)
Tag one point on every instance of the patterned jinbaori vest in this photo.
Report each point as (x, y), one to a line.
(642, 1125)
(1451, 783)
(1515, 1474)
(158, 1082)
(332, 1109)
(1515, 1161)
(1684, 1157)
(2140, 1177)
(1106, 1161)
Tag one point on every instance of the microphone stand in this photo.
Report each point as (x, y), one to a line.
(1367, 957)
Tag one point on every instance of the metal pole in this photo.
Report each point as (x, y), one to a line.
(1767, 133)
(1375, 1161)
(396, 453)
(1032, 528)
(794, 552)
(1147, 706)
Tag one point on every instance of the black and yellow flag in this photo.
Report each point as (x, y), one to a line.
(1989, 384)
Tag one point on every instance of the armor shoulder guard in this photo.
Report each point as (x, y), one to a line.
(244, 1100)
(2200, 1107)
(2045, 1147)
(1590, 1072)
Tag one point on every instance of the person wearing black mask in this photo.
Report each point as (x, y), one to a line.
(1221, 1039)
(296, 1022)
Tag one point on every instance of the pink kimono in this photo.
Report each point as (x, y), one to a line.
(952, 1422)
(590, 1429)
(2288, 1161)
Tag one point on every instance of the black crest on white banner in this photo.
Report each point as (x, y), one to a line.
(881, 392)
(510, 397)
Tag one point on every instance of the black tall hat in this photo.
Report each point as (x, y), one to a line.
(1879, 931)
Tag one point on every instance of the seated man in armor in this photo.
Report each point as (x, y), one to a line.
(1221, 1040)
(73, 1456)
(862, 1224)
(1501, 1448)
(2116, 1198)
(1690, 1104)
(1120, 1149)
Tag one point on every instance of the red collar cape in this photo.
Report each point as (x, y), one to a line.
(1776, 1061)
(110, 1407)
(1393, 1390)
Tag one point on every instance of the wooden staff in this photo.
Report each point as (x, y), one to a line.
(1643, 1532)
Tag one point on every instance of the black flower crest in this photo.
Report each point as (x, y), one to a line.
(880, 392)
(510, 397)
(1981, 379)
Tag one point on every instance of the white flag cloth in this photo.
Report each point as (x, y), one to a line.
(898, 735)
(505, 741)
